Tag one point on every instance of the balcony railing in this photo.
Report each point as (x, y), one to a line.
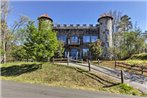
(73, 43)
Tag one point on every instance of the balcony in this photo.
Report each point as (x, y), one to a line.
(74, 43)
(74, 40)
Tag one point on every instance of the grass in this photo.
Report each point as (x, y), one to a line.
(136, 62)
(63, 76)
(111, 64)
(141, 56)
(137, 59)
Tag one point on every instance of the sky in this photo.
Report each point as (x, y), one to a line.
(78, 12)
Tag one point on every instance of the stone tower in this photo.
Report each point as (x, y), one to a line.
(105, 30)
(45, 22)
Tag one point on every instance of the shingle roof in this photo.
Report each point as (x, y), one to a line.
(105, 16)
(45, 16)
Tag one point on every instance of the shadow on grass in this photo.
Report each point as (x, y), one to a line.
(103, 81)
(16, 70)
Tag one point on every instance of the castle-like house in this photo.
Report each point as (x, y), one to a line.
(77, 37)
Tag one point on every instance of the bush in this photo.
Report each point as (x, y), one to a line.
(142, 56)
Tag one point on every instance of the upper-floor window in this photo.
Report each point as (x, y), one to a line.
(86, 39)
(74, 39)
(62, 38)
(94, 38)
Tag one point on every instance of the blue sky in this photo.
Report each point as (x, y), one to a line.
(78, 12)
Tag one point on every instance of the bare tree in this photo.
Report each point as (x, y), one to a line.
(4, 28)
(21, 22)
(116, 19)
(7, 34)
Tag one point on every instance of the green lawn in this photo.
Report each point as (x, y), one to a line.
(111, 64)
(141, 56)
(129, 61)
(63, 76)
(136, 62)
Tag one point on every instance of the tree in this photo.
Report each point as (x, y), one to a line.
(21, 22)
(19, 53)
(4, 28)
(8, 36)
(127, 39)
(96, 49)
(60, 49)
(114, 52)
(40, 44)
(132, 43)
(116, 19)
(125, 24)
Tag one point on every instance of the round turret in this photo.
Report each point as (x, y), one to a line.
(104, 16)
(45, 22)
(105, 30)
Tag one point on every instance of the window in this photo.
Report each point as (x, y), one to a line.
(94, 38)
(107, 32)
(74, 39)
(85, 51)
(62, 38)
(74, 53)
(107, 44)
(86, 39)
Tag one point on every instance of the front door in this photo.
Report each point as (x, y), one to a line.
(74, 53)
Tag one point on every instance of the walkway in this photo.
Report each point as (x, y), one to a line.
(137, 81)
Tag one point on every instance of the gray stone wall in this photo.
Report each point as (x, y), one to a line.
(79, 31)
(105, 32)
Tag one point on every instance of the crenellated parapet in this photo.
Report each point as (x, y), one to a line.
(75, 26)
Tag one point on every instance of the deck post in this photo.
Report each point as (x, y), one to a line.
(122, 76)
(68, 58)
(89, 64)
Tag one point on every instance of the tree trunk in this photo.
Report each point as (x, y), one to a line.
(3, 47)
(4, 13)
(4, 56)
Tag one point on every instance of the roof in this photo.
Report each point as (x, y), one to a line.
(105, 16)
(45, 16)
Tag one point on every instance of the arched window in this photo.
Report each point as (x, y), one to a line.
(74, 39)
(62, 38)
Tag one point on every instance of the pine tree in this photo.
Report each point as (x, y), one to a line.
(41, 44)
